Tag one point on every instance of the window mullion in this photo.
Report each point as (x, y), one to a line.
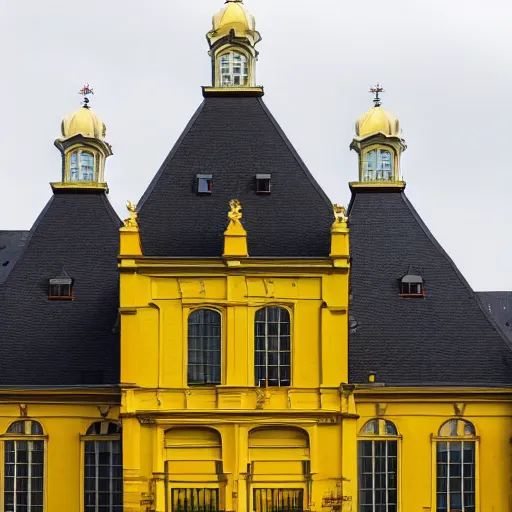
(97, 475)
(266, 347)
(14, 500)
(374, 504)
(463, 507)
(448, 462)
(279, 348)
(386, 476)
(110, 473)
(29, 474)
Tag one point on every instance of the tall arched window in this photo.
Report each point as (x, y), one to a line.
(378, 467)
(103, 475)
(204, 347)
(456, 447)
(272, 347)
(378, 165)
(81, 166)
(233, 69)
(24, 467)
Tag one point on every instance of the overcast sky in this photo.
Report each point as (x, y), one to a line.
(446, 66)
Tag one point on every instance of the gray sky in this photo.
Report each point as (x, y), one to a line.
(446, 66)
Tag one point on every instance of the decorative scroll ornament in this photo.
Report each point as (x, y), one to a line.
(235, 214)
(340, 213)
(131, 222)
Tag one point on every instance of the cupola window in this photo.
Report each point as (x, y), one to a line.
(263, 183)
(82, 166)
(412, 286)
(233, 69)
(61, 287)
(378, 166)
(204, 183)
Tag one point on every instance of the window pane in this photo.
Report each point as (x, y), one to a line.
(204, 347)
(272, 346)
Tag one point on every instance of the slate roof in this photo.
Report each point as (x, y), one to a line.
(499, 305)
(58, 342)
(11, 245)
(445, 338)
(234, 138)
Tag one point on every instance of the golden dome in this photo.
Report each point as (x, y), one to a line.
(234, 16)
(377, 120)
(84, 122)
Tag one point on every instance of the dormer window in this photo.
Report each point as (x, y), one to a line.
(233, 69)
(263, 183)
(204, 183)
(412, 286)
(378, 166)
(81, 166)
(61, 287)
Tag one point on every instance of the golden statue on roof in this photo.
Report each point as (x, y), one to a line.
(131, 222)
(235, 214)
(340, 213)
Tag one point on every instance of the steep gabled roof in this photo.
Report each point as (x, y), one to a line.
(11, 246)
(59, 342)
(445, 338)
(499, 305)
(234, 138)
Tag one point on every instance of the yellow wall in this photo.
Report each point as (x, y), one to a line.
(418, 416)
(63, 425)
(300, 446)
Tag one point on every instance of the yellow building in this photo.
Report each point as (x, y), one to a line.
(239, 343)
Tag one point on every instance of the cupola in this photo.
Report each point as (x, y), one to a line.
(233, 41)
(379, 145)
(83, 147)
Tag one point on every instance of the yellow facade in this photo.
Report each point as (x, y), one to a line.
(235, 437)
(65, 416)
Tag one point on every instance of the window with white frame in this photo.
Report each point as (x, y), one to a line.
(378, 165)
(455, 478)
(81, 166)
(233, 69)
(103, 472)
(378, 467)
(204, 347)
(272, 347)
(24, 467)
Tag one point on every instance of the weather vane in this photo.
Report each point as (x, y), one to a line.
(377, 89)
(85, 91)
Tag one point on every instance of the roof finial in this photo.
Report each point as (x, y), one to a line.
(377, 89)
(85, 91)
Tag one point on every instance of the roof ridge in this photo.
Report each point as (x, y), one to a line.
(295, 154)
(458, 273)
(169, 157)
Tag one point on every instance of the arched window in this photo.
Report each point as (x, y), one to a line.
(103, 475)
(204, 347)
(378, 467)
(378, 165)
(81, 166)
(233, 69)
(24, 467)
(456, 447)
(272, 347)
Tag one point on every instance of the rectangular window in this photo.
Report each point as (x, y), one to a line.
(24, 473)
(60, 289)
(204, 183)
(278, 500)
(456, 476)
(195, 500)
(263, 183)
(103, 476)
(377, 476)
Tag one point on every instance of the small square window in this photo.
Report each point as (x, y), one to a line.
(204, 183)
(412, 286)
(263, 183)
(61, 289)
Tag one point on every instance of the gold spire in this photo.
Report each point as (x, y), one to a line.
(234, 16)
